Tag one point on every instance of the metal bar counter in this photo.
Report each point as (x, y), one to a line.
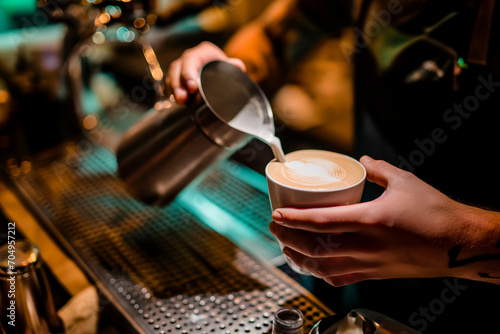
(202, 264)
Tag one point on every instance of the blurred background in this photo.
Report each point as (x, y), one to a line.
(65, 64)
(68, 66)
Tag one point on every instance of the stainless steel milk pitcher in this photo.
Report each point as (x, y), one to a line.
(173, 144)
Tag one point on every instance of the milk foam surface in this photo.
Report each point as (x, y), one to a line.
(316, 169)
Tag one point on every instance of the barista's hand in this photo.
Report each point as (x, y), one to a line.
(412, 230)
(184, 71)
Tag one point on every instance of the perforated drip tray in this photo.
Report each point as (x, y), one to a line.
(165, 269)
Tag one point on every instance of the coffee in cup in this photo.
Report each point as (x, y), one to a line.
(317, 170)
(314, 179)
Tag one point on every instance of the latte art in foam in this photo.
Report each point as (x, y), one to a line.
(317, 170)
(313, 171)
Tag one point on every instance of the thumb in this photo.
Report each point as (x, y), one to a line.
(380, 171)
(238, 63)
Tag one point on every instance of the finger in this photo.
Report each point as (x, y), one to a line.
(322, 245)
(174, 80)
(307, 243)
(327, 267)
(184, 72)
(379, 171)
(238, 63)
(348, 279)
(338, 219)
(195, 58)
(190, 70)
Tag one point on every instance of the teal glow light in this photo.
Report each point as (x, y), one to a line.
(247, 175)
(225, 224)
(11, 7)
(111, 10)
(125, 35)
(461, 63)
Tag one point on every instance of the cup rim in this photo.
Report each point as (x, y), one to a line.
(363, 178)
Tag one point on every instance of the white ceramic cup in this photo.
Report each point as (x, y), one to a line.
(286, 196)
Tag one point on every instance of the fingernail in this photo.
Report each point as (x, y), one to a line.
(277, 217)
(367, 158)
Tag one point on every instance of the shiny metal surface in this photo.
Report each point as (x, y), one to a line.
(166, 150)
(26, 299)
(288, 321)
(361, 321)
(173, 144)
(236, 100)
(168, 270)
(239, 102)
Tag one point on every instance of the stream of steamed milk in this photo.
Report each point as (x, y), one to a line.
(251, 119)
(275, 144)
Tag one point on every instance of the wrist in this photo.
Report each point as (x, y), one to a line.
(476, 253)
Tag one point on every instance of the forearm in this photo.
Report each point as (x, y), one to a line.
(477, 255)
